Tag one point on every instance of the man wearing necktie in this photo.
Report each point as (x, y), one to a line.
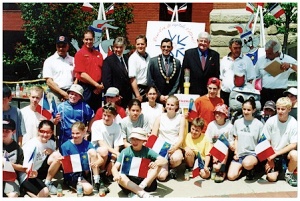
(115, 71)
(164, 72)
(203, 64)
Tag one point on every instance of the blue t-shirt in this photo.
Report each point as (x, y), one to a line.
(69, 148)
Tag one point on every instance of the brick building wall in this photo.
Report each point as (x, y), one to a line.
(12, 20)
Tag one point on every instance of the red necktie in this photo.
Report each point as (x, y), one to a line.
(203, 61)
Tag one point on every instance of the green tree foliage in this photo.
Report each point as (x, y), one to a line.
(45, 21)
(283, 25)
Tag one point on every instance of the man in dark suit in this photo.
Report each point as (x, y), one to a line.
(203, 64)
(164, 72)
(115, 72)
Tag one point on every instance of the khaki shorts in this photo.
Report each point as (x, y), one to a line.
(11, 186)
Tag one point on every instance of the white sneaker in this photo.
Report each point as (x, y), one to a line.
(133, 195)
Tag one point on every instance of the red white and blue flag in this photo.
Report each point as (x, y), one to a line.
(198, 165)
(87, 7)
(276, 10)
(75, 163)
(44, 107)
(9, 173)
(110, 9)
(158, 145)
(250, 7)
(192, 113)
(135, 166)
(30, 163)
(263, 149)
(182, 8)
(220, 148)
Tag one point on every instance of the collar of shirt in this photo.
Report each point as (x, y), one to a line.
(144, 56)
(202, 53)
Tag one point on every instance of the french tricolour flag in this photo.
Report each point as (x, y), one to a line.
(87, 7)
(9, 173)
(75, 163)
(250, 7)
(159, 145)
(276, 10)
(263, 149)
(198, 165)
(44, 107)
(30, 163)
(182, 8)
(192, 110)
(220, 148)
(135, 166)
(110, 9)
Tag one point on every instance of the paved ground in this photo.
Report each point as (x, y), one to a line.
(197, 188)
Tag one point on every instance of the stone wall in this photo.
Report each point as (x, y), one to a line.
(222, 19)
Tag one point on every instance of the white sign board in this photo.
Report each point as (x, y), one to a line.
(183, 35)
(184, 99)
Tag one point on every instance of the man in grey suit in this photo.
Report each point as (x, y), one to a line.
(203, 64)
(164, 72)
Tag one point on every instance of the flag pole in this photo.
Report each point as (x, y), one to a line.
(262, 29)
(255, 20)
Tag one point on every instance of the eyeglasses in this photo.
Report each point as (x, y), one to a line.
(45, 132)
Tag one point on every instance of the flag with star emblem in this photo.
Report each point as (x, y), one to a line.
(198, 165)
(135, 166)
(263, 149)
(8, 171)
(220, 148)
(75, 163)
(192, 110)
(158, 145)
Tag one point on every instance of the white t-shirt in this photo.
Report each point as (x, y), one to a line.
(214, 131)
(169, 128)
(230, 67)
(31, 120)
(40, 156)
(138, 68)
(281, 134)
(268, 81)
(151, 113)
(60, 70)
(109, 134)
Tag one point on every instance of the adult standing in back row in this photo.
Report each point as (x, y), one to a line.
(115, 71)
(164, 72)
(203, 63)
(88, 71)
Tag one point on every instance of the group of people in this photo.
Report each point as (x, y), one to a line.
(140, 102)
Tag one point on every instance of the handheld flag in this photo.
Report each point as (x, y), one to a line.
(276, 10)
(135, 166)
(54, 107)
(110, 10)
(263, 149)
(250, 7)
(75, 163)
(198, 165)
(159, 145)
(87, 7)
(44, 108)
(30, 163)
(220, 148)
(192, 110)
(9, 173)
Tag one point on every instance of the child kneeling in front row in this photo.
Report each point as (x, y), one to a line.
(195, 142)
(137, 186)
